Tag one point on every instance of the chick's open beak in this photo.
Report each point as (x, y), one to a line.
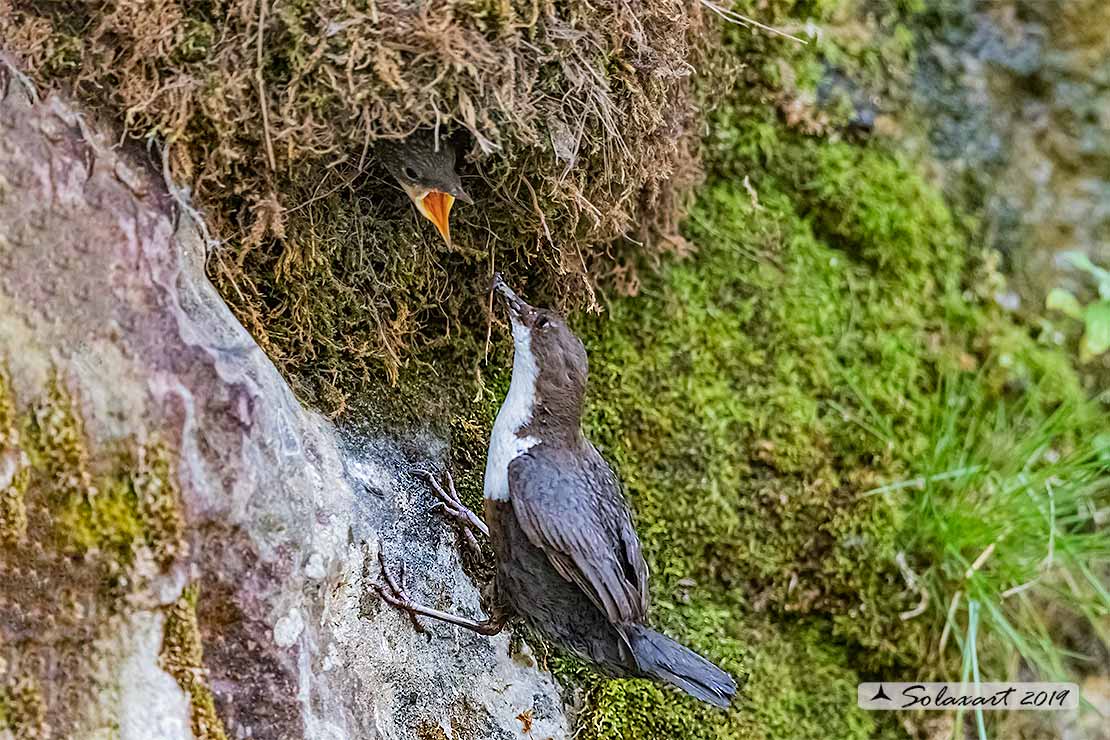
(436, 207)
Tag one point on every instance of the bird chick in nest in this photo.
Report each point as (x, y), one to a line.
(424, 167)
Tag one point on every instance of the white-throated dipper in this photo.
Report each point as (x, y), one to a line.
(568, 558)
(424, 167)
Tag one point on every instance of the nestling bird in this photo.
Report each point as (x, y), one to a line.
(568, 558)
(424, 167)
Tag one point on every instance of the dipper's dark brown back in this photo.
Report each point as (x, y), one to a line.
(569, 560)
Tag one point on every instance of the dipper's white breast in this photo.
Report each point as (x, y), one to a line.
(516, 412)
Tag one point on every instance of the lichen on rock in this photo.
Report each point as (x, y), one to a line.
(14, 469)
(23, 711)
(131, 508)
(183, 658)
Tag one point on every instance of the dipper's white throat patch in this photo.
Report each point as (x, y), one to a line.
(516, 412)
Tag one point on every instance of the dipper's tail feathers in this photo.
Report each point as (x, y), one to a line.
(660, 657)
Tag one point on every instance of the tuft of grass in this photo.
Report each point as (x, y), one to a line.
(1003, 510)
(971, 668)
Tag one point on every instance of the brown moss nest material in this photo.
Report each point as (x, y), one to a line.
(579, 118)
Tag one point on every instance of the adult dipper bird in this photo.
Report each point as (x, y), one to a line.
(424, 167)
(568, 558)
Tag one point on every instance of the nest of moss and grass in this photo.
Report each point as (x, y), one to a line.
(582, 146)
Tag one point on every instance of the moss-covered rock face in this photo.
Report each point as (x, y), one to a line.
(83, 535)
(579, 117)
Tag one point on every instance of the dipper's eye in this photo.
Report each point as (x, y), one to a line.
(409, 172)
(542, 322)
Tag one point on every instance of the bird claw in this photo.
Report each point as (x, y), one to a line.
(460, 514)
(394, 594)
(450, 504)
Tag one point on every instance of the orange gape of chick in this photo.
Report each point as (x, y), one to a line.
(436, 207)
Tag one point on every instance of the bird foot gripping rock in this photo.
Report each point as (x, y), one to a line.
(393, 593)
(451, 505)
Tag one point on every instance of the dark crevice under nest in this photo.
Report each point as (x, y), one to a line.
(579, 116)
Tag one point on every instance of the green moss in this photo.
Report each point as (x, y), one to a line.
(797, 681)
(755, 392)
(108, 520)
(13, 467)
(152, 480)
(765, 357)
(56, 446)
(198, 37)
(65, 54)
(134, 504)
(183, 658)
(23, 711)
(13, 508)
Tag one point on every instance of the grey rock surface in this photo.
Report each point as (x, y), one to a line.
(102, 287)
(1016, 94)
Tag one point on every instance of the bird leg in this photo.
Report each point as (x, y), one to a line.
(397, 595)
(393, 594)
(451, 505)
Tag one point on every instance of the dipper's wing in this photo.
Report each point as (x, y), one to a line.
(571, 507)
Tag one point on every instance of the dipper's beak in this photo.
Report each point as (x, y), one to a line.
(518, 309)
